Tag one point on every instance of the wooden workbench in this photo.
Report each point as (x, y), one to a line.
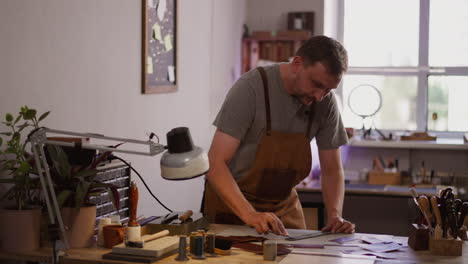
(94, 255)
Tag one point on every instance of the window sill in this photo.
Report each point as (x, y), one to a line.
(440, 143)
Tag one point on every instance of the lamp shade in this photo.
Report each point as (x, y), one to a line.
(183, 160)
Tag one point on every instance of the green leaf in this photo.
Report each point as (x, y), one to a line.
(24, 109)
(29, 114)
(10, 150)
(8, 180)
(112, 191)
(1, 142)
(116, 197)
(8, 194)
(60, 161)
(8, 164)
(82, 175)
(63, 196)
(18, 118)
(44, 115)
(24, 168)
(16, 136)
(81, 192)
(9, 117)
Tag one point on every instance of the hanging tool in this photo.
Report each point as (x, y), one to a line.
(451, 217)
(438, 218)
(424, 205)
(463, 212)
(415, 199)
(461, 221)
(445, 195)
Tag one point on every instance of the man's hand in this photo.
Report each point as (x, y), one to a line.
(265, 222)
(339, 225)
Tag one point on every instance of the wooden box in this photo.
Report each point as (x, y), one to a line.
(445, 247)
(392, 178)
(418, 238)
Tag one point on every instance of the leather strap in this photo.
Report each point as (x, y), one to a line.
(267, 105)
(311, 118)
(267, 99)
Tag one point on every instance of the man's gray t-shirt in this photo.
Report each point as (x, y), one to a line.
(243, 116)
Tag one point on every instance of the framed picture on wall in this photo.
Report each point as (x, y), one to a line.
(159, 58)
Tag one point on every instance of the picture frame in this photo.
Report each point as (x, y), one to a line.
(159, 46)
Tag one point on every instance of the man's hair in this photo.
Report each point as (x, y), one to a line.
(327, 51)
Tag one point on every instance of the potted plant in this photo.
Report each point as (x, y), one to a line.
(20, 219)
(74, 186)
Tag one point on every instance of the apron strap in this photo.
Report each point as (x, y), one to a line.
(267, 99)
(311, 118)
(267, 105)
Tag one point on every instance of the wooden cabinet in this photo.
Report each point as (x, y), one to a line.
(270, 46)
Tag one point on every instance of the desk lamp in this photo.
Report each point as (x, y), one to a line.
(182, 161)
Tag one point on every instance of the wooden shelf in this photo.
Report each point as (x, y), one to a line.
(271, 46)
(274, 38)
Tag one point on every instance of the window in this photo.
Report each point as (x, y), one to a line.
(416, 53)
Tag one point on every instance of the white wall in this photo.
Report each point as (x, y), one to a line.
(228, 18)
(272, 14)
(82, 60)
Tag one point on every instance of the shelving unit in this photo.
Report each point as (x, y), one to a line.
(271, 46)
(118, 174)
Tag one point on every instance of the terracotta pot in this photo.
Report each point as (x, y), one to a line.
(79, 225)
(20, 230)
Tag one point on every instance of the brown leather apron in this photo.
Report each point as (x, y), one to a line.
(282, 161)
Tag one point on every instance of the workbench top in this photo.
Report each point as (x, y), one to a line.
(375, 189)
(407, 255)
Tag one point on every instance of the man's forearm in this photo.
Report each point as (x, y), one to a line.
(333, 192)
(222, 181)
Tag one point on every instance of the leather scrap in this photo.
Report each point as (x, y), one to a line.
(242, 239)
(258, 249)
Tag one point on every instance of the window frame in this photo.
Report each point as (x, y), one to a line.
(422, 72)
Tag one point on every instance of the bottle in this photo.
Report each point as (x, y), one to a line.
(422, 173)
(115, 220)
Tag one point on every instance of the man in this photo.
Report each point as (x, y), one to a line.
(261, 148)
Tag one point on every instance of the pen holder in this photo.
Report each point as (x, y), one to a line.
(418, 238)
(377, 177)
(445, 247)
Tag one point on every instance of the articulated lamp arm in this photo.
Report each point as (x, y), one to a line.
(182, 161)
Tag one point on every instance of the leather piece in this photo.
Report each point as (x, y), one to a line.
(258, 249)
(242, 239)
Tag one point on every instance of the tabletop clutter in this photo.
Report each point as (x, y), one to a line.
(204, 244)
(442, 231)
(442, 224)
